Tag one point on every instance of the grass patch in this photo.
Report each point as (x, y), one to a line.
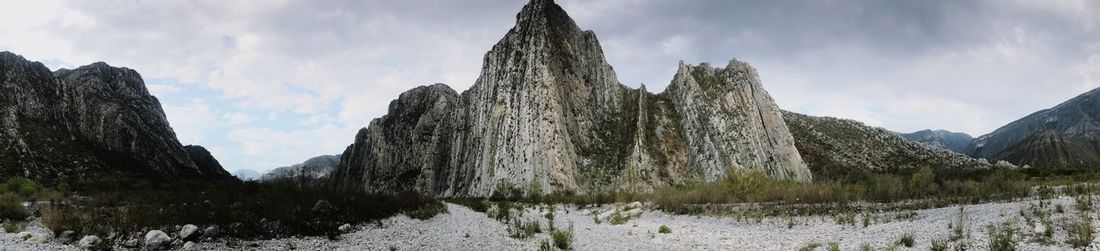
(563, 238)
(1001, 237)
(1079, 231)
(906, 240)
(664, 229)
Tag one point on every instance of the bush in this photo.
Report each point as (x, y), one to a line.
(939, 245)
(664, 229)
(1079, 232)
(11, 208)
(906, 240)
(563, 238)
(1001, 237)
(59, 217)
(833, 246)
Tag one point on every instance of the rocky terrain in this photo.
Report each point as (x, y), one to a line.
(1067, 135)
(548, 114)
(954, 141)
(316, 167)
(835, 147)
(95, 119)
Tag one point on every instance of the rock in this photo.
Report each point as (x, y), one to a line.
(345, 228)
(954, 141)
(189, 245)
(89, 242)
(316, 167)
(211, 233)
(189, 233)
(1039, 228)
(36, 234)
(66, 237)
(131, 243)
(157, 240)
(548, 114)
(105, 115)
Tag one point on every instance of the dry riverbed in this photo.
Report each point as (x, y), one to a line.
(464, 229)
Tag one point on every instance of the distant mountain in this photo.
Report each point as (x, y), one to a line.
(316, 167)
(548, 112)
(841, 148)
(247, 174)
(954, 141)
(1067, 135)
(92, 120)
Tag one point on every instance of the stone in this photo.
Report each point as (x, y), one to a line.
(131, 243)
(89, 242)
(345, 228)
(211, 233)
(548, 114)
(189, 245)
(189, 233)
(157, 240)
(66, 237)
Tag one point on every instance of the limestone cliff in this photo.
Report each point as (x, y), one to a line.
(548, 112)
(94, 119)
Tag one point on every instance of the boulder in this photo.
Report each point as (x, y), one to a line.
(89, 242)
(67, 236)
(345, 228)
(39, 235)
(189, 233)
(212, 232)
(131, 243)
(189, 246)
(157, 240)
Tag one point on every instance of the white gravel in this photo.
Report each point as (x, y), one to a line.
(464, 229)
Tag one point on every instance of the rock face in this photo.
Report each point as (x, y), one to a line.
(840, 148)
(206, 162)
(1067, 136)
(548, 113)
(316, 167)
(954, 141)
(94, 118)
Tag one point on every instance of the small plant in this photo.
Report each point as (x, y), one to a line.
(906, 240)
(11, 208)
(664, 229)
(1080, 232)
(14, 227)
(939, 245)
(520, 230)
(866, 247)
(617, 217)
(545, 245)
(833, 246)
(1001, 237)
(1083, 203)
(563, 238)
(959, 230)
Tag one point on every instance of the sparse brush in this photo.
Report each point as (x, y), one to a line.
(938, 245)
(1079, 232)
(11, 208)
(906, 240)
(833, 246)
(563, 238)
(1001, 237)
(866, 247)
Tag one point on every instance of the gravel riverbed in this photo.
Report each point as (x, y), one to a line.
(464, 229)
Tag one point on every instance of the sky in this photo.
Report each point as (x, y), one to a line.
(269, 83)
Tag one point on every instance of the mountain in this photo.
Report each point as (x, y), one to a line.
(92, 120)
(1067, 135)
(954, 141)
(247, 174)
(548, 113)
(840, 148)
(316, 167)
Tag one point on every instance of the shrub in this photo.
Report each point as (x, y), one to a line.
(1079, 232)
(939, 245)
(664, 229)
(60, 217)
(617, 217)
(14, 227)
(1001, 237)
(521, 230)
(563, 238)
(866, 247)
(22, 186)
(833, 246)
(11, 208)
(906, 240)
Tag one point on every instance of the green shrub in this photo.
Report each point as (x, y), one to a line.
(833, 246)
(938, 245)
(906, 240)
(1079, 231)
(563, 238)
(21, 186)
(14, 227)
(664, 229)
(11, 208)
(1001, 237)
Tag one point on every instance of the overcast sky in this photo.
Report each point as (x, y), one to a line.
(269, 83)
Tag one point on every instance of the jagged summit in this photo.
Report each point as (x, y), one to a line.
(92, 120)
(548, 112)
(1066, 135)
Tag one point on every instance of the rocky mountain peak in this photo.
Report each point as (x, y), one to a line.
(1066, 135)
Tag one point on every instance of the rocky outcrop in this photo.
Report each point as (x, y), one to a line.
(548, 113)
(316, 167)
(839, 148)
(206, 162)
(1065, 136)
(954, 141)
(95, 119)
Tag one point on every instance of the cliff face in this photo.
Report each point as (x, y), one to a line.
(548, 112)
(316, 167)
(94, 118)
(1066, 136)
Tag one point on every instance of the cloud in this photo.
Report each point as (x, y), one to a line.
(193, 122)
